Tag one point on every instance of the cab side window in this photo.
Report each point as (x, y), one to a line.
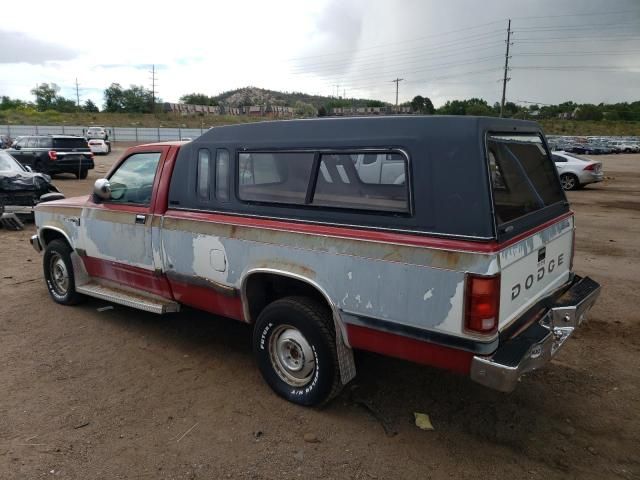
(132, 183)
(44, 142)
(32, 142)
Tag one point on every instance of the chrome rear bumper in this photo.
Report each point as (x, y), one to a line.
(535, 346)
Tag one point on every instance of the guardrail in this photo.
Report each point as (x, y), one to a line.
(116, 134)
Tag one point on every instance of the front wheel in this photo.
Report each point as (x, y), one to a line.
(569, 181)
(294, 343)
(58, 273)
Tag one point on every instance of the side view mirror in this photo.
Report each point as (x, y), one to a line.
(102, 189)
(17, 147)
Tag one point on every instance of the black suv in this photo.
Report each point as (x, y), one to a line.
(54, 154)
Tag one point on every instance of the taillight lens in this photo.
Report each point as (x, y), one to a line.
(482, 305)
(591, 167)
(53, 155)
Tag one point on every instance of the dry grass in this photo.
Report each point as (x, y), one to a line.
(574, 127)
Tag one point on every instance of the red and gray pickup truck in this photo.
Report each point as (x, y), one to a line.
(446, 241)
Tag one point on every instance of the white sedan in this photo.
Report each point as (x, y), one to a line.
(99, 146)
(576, 172)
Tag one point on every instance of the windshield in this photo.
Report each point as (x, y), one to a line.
(9, 164)
(523, 176)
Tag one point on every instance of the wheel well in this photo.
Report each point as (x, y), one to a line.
(48, 235)
(263, 288)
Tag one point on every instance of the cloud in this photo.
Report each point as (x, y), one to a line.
(18, 47)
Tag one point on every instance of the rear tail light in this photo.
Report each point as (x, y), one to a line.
(482, 303)
(53, 155)
(592, 167)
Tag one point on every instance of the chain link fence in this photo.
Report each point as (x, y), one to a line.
(116, 134)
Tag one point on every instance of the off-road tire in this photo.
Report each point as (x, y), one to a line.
(60, 250)
(314, 321)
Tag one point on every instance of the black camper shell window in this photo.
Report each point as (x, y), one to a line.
(360, 180)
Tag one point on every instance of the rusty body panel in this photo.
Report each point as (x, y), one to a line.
(427, 283)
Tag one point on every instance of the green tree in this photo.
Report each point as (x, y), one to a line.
(89, 106)
(322, 112)
(64, 105)
(417, 104)
(198, 99)
(45, 96)
(137, 99)
(114, 98)
(589, 112)
(510, 109)
(303, 109)
(8, 103)
(453, 107)
(428, 106)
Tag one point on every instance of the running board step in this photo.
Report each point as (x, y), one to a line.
(128, 299)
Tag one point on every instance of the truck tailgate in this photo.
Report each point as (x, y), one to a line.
(534, 267)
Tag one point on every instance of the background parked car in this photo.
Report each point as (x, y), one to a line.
(54, 154)
(98, 132)
(576, 172)
(21, 189)
(99, 146)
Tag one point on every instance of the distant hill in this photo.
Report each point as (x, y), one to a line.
(248, 96)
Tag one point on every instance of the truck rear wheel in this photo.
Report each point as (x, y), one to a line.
(58, 273)
(294, 343)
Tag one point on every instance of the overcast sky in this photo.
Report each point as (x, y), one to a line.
(581, 50)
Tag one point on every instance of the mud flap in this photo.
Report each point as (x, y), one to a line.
(346, 361)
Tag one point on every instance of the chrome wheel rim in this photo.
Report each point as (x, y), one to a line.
(568, 182)
(292, 356)
(59, 274)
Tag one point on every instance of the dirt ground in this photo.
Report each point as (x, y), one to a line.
(89, 394)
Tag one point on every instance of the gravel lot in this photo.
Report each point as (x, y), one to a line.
(125, 394)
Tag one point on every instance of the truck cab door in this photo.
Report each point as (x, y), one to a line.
(116, 233)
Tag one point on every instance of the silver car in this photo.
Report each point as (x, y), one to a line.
(576, 172)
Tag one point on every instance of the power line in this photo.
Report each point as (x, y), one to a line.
(449, 46)
(415, 39)
(601, 14)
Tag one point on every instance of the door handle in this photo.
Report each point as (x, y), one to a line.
(141, 219)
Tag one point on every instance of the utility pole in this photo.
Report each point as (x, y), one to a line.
(337, 90)
(506, 69)
(77, 95)
(397, 82)
(153, 88)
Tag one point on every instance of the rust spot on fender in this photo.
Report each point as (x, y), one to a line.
(285, 266)
(199, 281)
